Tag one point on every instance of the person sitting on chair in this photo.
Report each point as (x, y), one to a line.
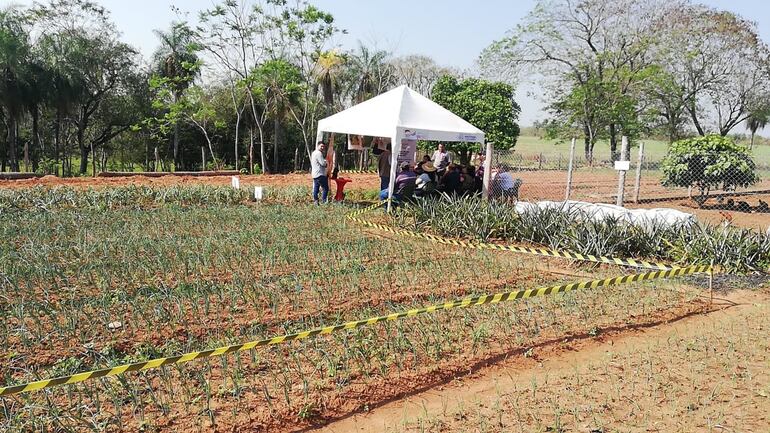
(426, 181)
(451, 182)
(404, 185)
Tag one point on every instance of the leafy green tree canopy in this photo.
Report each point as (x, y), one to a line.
(708, 162)
(487, 105)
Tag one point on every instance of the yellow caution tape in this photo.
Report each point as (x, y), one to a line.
(462, 303)
(498, 247)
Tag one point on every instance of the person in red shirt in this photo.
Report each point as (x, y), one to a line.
(340, 181)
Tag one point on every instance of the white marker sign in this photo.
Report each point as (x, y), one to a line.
(622, 165)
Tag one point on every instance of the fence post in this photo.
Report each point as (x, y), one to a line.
(622, 173)
(540, 162)
(639, 172)
(487, 172)
(569, 168)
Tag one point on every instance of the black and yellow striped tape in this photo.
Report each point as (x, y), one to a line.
(359, 171)
(515, 248)
(463, 303)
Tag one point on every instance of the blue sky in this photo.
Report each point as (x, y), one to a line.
(452, 32)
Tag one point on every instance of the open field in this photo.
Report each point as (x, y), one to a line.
(654, 150)
(702, 373)
(95, 286)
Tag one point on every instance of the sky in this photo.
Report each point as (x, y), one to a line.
(452, 32)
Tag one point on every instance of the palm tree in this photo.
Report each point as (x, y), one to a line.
(757, 120)
(176, 60)
(281, 83)
(370, 74)
(327, 72)
(65, 84)
(36, 93)
(14, 51)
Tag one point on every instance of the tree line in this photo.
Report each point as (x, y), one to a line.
(638, 68)
(242, 87)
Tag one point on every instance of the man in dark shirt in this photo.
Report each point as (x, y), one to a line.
(451, 180)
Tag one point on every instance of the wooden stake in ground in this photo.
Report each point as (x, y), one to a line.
(638, 181)
(569, 168)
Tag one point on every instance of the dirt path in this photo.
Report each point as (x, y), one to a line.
(449, 408)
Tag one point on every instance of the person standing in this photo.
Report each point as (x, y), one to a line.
(318, 166)
(441, 159)
(383, 168)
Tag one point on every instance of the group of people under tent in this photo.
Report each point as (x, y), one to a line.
(431, 176)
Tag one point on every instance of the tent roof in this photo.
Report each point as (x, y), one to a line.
(404, 108)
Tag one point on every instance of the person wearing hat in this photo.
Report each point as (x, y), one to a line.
(426, 181)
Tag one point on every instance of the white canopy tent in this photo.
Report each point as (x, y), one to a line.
(395, 112)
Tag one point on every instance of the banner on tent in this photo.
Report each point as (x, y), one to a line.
(408, 147)
(355, 142)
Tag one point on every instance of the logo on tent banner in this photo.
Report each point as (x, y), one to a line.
(467, 137)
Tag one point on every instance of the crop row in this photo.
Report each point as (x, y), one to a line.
(734, 249)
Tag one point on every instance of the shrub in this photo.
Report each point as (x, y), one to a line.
(708, 162)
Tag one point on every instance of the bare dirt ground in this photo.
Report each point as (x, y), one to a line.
(704, 372)
(601, 186)
(360, 181)
(594, 186)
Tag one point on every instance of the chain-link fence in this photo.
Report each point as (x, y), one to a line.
(718, 180)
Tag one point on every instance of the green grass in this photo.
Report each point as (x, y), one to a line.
(654, 150)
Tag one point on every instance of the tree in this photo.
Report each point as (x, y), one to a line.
(487, 105)
(716, 67)
(298, 32)
(14, 59)
(418, 72)
(328, 70)
(231, 33)
(105, 66)
(65, 87)
(176, 59)
(708, 162)
(94, 67)
(368, 73)
(593, 57)
(757, 120)
(282, 84)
